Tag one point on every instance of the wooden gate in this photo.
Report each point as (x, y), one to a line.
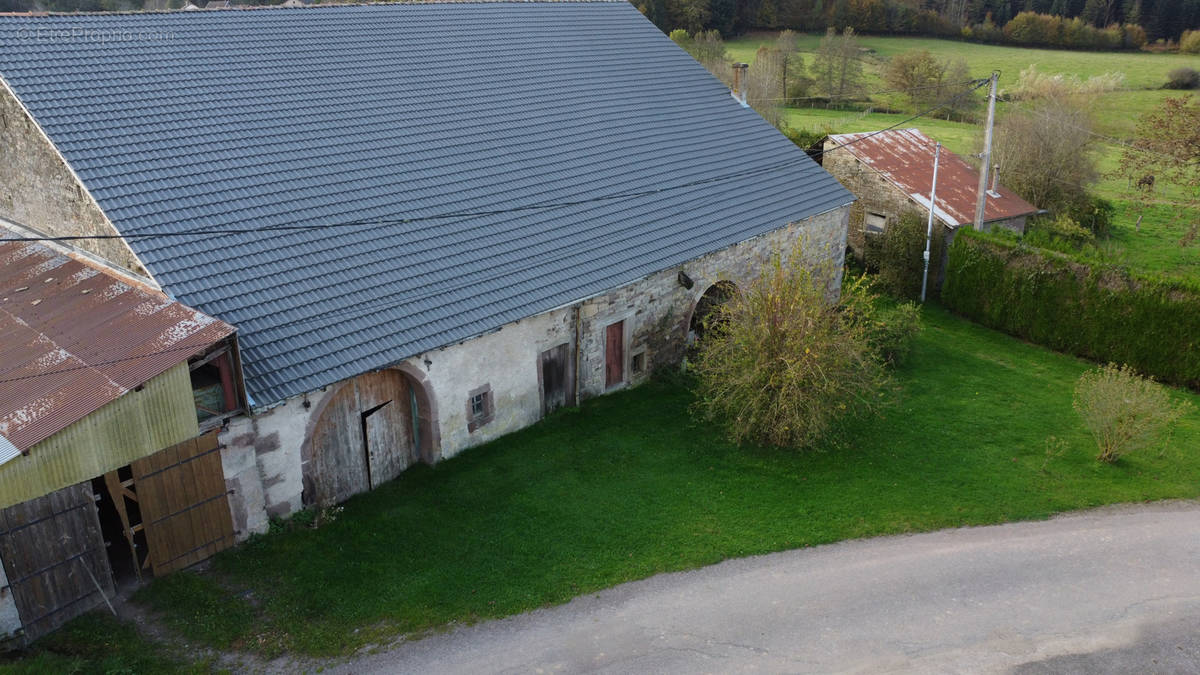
(54, 557)
(184, 505)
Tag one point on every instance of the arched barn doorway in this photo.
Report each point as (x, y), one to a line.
(715, 295)
(365, 433)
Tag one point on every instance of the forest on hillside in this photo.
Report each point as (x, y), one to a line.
(1066, 23)
(1085, 24)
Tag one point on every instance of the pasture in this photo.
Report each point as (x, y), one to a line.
(1154, 247)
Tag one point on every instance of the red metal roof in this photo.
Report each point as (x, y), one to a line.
(905, 158)
(75, 336)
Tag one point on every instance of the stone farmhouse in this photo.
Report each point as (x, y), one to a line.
(432, 224)
(891, 172)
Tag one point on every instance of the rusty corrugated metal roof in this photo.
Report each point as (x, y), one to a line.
(74, 337)
(905, 158)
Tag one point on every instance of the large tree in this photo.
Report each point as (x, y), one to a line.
(837, 68)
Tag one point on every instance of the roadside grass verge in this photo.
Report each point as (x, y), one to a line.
(979, 430)
(97, 643)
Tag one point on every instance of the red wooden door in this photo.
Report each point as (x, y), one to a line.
(614, 355)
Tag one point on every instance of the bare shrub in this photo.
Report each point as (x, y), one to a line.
(1123, 410)
(764, 85)
(1033, 84)
(1046, 151)
(778, 365)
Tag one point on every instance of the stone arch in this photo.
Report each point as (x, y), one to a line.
(366, 431)
(712, 296)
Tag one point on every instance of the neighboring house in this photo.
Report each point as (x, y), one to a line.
(218, 4)
(101, 381)
(891, 172)
(434, 223)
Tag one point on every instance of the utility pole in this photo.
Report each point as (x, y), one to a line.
(986, 163)
(937, 154)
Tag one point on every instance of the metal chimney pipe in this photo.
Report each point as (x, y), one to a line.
(995, 177)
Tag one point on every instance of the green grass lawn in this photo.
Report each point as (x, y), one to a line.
(98, 643)
(979, 430)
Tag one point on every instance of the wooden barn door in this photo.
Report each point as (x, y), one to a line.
(557, 378)
(54, 557)
(363, 438)
(614, 354)
(185, 509)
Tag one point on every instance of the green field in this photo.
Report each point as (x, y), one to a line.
(1155, 247)
(1142, 70)
(979, 429)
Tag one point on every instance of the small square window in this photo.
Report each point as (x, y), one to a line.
(875, 223)
(480, 407)
(637, 362)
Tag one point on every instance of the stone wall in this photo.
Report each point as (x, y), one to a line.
(874, 192)
(262, 455)
(10, 620)
(39, 191)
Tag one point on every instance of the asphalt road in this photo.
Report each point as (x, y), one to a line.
(1112, 590)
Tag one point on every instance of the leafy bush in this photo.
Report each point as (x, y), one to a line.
(1059, 234)
(897, 255)
(778, 365)
(1090, 310)
(1189, 42)
(892, 330)
(1123, 410)
(1183, 78)
(805, 138)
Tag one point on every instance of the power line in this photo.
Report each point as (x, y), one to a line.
(362, 222)
(371, 307)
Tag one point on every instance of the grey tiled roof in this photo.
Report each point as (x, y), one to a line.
(320, 116)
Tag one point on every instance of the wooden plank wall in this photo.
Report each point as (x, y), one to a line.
(53, 552)
(185, 508)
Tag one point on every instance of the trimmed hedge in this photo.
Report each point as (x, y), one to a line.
(1101, 313)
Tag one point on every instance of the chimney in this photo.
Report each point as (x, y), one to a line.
(995, 182)
(739, 83)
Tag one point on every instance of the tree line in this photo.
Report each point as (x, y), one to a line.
(1085, 24)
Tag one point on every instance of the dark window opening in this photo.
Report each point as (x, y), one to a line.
(638, 362)
(875, 223)
(213, 389)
